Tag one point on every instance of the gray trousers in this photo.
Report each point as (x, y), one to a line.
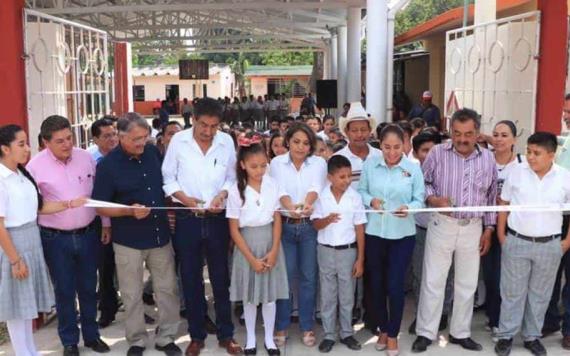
(130, 268)
(528, 271)
(337, 289)
(417, 269)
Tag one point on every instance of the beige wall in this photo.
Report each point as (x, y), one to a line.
(219, 85)
(436, 47)
(258, 86)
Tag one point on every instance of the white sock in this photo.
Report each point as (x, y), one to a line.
(268, 311)
(250, 316)
(30, 338)
(17, 331)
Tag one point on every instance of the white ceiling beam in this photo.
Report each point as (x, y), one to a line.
(219, 38)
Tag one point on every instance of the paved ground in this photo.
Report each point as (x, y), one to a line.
(48, 342)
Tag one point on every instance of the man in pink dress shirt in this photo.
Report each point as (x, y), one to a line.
(69, 240)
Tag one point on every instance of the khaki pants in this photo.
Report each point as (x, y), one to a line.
(130, 268)
(449, 238)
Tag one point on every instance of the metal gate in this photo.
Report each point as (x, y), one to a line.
(66, 73)
(492, 68)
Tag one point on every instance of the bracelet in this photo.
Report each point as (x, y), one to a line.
(15, 263)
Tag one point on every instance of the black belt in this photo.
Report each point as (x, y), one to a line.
(540, 239)
(80, 231)
(341, 247)
(295, 221)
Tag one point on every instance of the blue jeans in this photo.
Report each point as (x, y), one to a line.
(72, 263)
(300, 248)
(194, 238)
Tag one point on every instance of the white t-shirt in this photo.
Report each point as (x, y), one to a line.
(323, 135)
(18, 198)
(523, 187)
(350, 208)
(357, 162)
(259, 207)
(504, 170)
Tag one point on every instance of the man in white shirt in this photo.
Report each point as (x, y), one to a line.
(357, 127)
(531, 244)
(198, 170)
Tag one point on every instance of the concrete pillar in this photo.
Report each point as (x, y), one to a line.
(341, 69)
(353, 86)
(376, 58)
(327, 62)
(123, 101)
(334, 56)
(485, 11)
(12, 65)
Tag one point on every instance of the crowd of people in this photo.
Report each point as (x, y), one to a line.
(311, 219)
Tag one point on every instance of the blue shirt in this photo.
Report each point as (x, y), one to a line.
(127, 180)
(402, 184)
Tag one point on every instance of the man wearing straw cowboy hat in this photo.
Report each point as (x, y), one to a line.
(457, 173)
(357, 127)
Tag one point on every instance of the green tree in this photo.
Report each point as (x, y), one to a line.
(282, 58)
(420, 11)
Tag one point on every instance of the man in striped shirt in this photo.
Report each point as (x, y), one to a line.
(457, 173)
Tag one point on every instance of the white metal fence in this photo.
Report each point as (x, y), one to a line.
(66, 73)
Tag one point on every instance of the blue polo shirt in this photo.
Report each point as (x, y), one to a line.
(127, 180)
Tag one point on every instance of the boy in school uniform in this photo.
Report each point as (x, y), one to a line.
(339, 217)
(531, 244)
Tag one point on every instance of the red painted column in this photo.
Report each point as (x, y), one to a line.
(122, 90)
(12, 67)
(552, 65)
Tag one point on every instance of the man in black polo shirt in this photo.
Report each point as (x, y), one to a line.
(131, 175)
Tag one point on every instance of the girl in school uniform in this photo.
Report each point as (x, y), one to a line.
(25, 288)
(259, 275)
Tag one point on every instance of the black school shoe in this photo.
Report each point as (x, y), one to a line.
(420, 344)
(98, 345)
(326, 345)
(467, 343)
(351, 343)
(535, 347)
(503, 347)
(169, 349)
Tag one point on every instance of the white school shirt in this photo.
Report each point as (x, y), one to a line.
(185, 168)
(504, 170)
(323, 135)
(295, 183)
(357, 162)
(273, 105)
(351, 212)
(523, 187)
(259, 207)
(18, 198)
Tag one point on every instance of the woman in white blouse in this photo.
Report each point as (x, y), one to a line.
(25, 289)
(300, 176)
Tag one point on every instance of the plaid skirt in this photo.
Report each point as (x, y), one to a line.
(24, 299)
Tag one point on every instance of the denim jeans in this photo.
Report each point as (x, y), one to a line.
(300, 248)
(72, 263)
(194, 238)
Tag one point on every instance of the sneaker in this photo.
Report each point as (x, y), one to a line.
(503, 347)
(535, 347)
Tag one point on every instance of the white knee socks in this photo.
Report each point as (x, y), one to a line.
(268, 311)
(250, 315)
(21, 337)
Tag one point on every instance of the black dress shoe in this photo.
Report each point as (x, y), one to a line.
(467, 343)
(252, 351)
(211, 327)
(351, 343)
(272, 352)
(421, 344)
(70, 350)
(326, 345)
(412, 328)
(135, 351)
(535, 347)
(105, 321)
(169, 349)
(98, 346)
(503, 347)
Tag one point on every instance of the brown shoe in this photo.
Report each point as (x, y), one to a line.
(194, 348)
(566, 342)
(231, 346)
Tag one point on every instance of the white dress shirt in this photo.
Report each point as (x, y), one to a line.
(350, 208)
(258, 208)
(357, 162)
(523, 187)
(18, 198)
(186, 168)
(295, 183)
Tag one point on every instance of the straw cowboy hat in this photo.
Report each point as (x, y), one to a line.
(356, 113)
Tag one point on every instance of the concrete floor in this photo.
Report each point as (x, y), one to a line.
(48, 341)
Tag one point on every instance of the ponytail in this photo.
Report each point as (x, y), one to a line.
(31, 179)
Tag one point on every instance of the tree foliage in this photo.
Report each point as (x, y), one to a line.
(420, 11)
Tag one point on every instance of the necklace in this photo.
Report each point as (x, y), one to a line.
(500, 167)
